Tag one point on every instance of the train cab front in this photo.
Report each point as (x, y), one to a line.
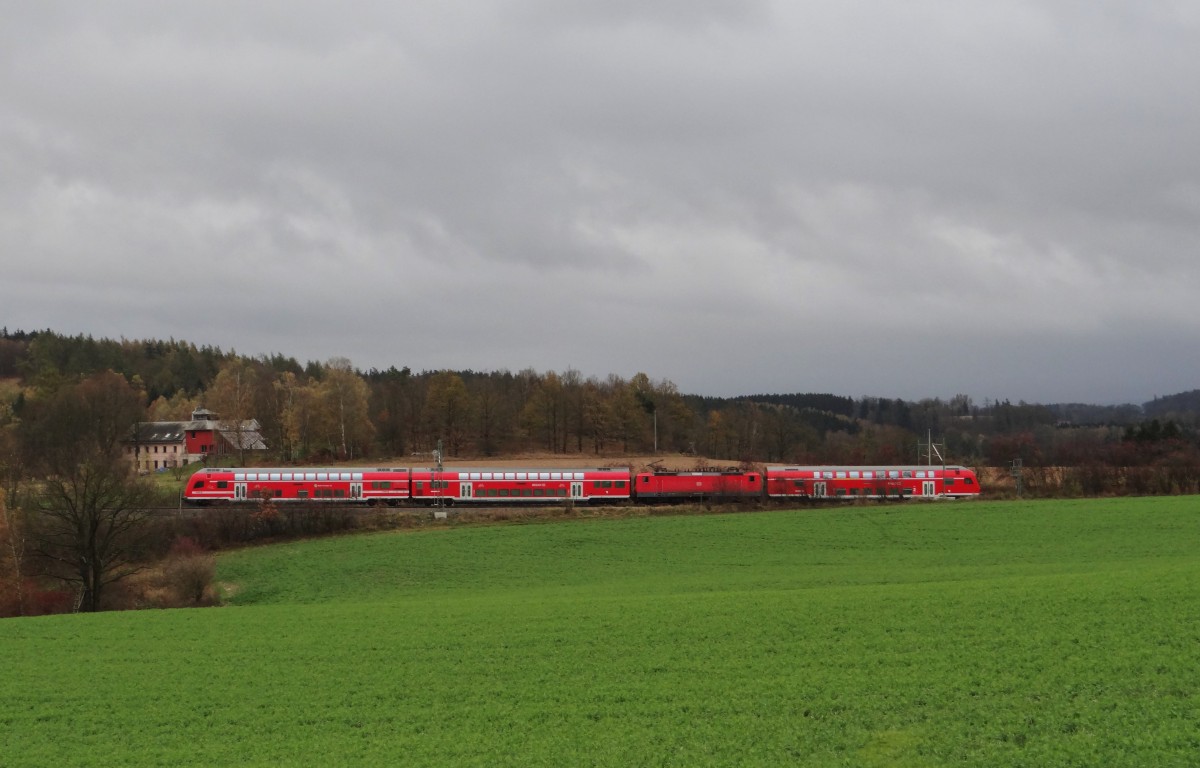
(960, 483)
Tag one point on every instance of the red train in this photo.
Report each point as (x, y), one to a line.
(510, 486)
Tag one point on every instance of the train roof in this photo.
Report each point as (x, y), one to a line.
(825, 467)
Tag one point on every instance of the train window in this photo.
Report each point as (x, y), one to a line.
(753, 479)
(949, 481)
(510, 475)
(486, 476)
(968, 481)
(543, 475)
(556, 475)
(619, 484)
(356, 476)
(908, 473)
(222, 484)
(868, 474)
(198, 484)
(841, 474)
(503, 491)
(645, 478)
(322, 475)
(301, 494)
(521, 476)
(855, 474)
(894, 474)
(239, 476)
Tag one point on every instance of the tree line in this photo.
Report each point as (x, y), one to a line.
(331, 411)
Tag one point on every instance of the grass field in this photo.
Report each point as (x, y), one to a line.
(1038, 634)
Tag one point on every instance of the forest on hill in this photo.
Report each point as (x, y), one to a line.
(326, 411)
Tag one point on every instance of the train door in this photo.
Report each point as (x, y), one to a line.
(819, 490)
(239, 491)
(464, 490)
(929, 488)
(576, 490)
(356, 490)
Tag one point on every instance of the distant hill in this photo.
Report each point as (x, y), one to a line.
(1182, 403)
(1083, 414)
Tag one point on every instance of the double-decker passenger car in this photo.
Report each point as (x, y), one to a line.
(849, 482)
(299, 484)
(519, 486)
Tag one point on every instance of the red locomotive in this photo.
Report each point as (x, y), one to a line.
(702, 484)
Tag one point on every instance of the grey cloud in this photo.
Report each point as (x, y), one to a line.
(906, 201)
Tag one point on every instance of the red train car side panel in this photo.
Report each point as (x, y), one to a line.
(520, 486)
(348, 484)
(873, 482)
(663, 486)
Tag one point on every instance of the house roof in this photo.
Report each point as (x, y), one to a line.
(249, 436)
(246, 438)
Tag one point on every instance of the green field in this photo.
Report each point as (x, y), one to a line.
(974, 633)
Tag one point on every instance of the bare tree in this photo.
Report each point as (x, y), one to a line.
(448, 409)
(87, 520)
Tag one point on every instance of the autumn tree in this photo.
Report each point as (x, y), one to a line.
(231, 396)
(178, 407)
(291, 398)
(597, 415)
(87, 522)
(344, 409)
(545, 414)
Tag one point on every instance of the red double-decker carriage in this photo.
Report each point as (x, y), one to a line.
(884, 482)
(519, 486)
(351, 484)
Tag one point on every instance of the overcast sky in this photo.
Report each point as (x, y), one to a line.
(918, 199)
